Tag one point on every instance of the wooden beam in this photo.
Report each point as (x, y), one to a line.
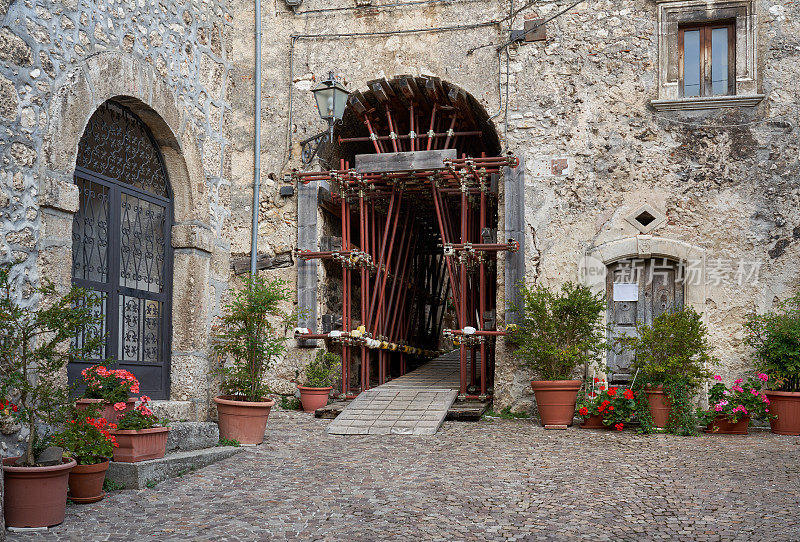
(403, 161)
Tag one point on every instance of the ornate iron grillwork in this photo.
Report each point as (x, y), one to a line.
(118, 145)
(121, 244)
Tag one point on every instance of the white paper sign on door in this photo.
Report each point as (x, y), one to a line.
(625, 291)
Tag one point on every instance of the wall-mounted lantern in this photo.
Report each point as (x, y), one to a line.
(331, 97)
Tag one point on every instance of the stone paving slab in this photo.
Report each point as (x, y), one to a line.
(498, 480)
(394, 411)
(414, 404)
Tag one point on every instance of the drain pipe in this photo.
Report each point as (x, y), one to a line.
(256, 145)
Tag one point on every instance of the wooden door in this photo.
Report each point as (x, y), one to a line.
(638, 290)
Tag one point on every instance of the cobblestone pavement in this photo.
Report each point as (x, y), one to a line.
(491, 480)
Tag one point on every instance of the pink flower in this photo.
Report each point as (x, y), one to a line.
(144, 399)
(763, 377)
(738, 381)
(754, 392)
(738, 388)
(718, 378)
(120, 406)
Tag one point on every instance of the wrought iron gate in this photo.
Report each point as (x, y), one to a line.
(121, 244)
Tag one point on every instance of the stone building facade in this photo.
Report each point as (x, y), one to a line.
(594, 111)
(168, 64)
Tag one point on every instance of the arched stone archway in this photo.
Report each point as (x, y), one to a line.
(596, 259)
(435, 229)
(135, 84)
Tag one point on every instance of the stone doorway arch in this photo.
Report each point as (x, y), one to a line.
(402, 140)
(135, 85)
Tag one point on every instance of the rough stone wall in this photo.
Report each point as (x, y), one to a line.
(726, 179)
(185, 45)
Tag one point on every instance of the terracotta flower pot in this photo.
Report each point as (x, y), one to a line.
(786, 405)
(86, 482)
(140, 445)
(35, 496)
(721, 425)
(242, 420)
(660, 406)
(556, 400)
(106, 409)
(313, 398)
(594, 421)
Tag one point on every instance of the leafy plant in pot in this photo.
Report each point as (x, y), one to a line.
(731, 408)
(140, 434)
(88, 440)
(35, 346)
(558, 331)
(673, 357)
(247, 342)
(108, 388)
(320, 376)
(775, 337)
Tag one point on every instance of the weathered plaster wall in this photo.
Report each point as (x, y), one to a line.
(169, 61)
(726, 179)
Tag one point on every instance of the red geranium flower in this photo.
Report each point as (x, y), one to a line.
(627, 394)
(612, 392)
(618, 426)
(583, 411)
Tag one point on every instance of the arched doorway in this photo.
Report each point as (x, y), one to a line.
(121, 244)
(411, 255)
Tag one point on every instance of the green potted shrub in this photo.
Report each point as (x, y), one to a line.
(140, 434)
(320, 376)
(673, 356)
(110, 389)
(730, 409)
(775, 337)
(35, 346)
(558, 332)
(87, 439)
(247, 342)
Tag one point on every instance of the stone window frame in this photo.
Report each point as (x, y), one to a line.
(673, 13)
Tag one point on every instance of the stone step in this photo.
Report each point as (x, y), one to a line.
(187, 436)
(460, 411)
(138, 475)
(467, 411)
